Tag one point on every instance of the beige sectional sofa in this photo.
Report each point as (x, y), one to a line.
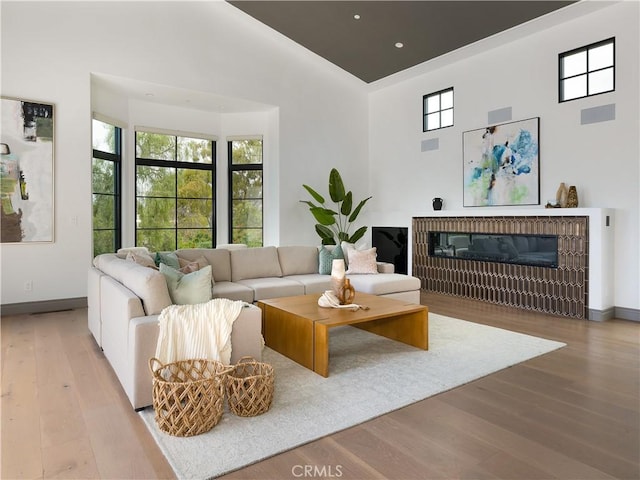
(126, 298)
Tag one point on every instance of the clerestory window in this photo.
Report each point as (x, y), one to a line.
(437, 110)
(587, 71)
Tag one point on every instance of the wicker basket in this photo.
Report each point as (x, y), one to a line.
(188, 395)
(250, 387)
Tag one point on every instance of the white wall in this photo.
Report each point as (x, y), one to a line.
(601, 159)
(320, 119)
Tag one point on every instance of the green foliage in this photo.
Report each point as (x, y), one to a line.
(333, 225)
(174, 202)
(174, 206)
(246, 187)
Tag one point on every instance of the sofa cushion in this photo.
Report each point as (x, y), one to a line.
(146, 283)
(298, 260)
(260, 262)
(218, 258)
(234, 291)
(384, 283)
(326, 257)
(313, 283)
(272, 287)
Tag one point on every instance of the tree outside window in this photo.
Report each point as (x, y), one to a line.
(175, 201)
(107, 159)
(245, 191)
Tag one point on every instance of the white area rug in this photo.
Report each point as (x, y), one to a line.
(368, 376)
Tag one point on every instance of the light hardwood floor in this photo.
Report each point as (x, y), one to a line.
(571, 414)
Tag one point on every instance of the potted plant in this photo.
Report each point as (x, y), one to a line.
(334, 223)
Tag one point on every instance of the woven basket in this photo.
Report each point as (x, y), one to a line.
(250, 387)
(188, 395)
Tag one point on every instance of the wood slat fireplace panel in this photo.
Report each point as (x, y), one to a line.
(560, 291)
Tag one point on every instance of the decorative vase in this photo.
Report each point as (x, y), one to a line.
(337, 277)
(561, 195)
(348, 292)
(437, 203)
(572, 197)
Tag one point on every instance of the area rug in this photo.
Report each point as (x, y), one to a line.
(369, 376)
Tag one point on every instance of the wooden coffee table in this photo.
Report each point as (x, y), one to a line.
(299, 329)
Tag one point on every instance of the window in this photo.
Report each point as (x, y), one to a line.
(174, 191)
(245, 191)
(587, 70)
(437, 110)
(107, 158)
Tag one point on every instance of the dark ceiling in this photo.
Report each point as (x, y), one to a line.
(366, 47)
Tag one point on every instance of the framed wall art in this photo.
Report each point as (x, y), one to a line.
(502, 164)
(26, 171)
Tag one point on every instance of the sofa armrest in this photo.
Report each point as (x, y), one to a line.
(386, 267)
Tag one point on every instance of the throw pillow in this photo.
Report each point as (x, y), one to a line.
(122, 252)
(142, 259)
(326, 258)
(201, 262)
(363, 261)
(188, 288)
(347, 248)
(189, 267)
(168, 258)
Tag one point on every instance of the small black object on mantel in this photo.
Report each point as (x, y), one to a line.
(437, 203)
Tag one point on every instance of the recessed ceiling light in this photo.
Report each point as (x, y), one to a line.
(399, 44)
(148, 94)
(356, 16)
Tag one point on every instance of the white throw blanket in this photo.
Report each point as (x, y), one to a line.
(197, 331)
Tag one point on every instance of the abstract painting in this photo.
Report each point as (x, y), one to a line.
(26, 171)
(502, 164)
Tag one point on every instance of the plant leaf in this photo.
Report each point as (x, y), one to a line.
(357, 235)
(336, 187)
(347, 203)
(325, 234)
(316, 196)
(355, 213)
(323, 215)
(343, 236)
(311, 204)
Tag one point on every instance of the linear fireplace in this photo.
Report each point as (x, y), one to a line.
(516, 248)
(481, 266)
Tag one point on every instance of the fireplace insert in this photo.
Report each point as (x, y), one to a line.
(520, 249)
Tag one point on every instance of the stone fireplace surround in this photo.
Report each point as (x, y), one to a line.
(581, 287)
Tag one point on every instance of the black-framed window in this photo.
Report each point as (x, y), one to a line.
(437, 110)
(106, 186)
(175, 191)
(245, 191)
(587, 71)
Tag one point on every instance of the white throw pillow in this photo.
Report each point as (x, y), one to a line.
(363, 261)
(188, 288)
(347, 248)
(142, 259)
